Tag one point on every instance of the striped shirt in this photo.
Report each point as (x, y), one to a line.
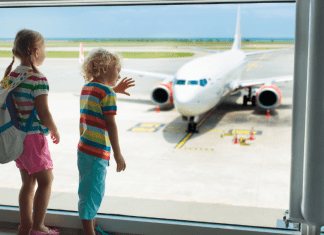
(97, 100)
(24, 97)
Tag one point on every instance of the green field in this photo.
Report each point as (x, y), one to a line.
(151, 42)
(184, 44)
(128, 55)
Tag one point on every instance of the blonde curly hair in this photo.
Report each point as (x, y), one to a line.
(96, 60)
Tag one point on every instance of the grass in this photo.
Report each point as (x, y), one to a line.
(212, 45)
(243, 48)
(148, 42)
(75, 54)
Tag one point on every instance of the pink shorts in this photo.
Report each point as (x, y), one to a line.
(36, 156)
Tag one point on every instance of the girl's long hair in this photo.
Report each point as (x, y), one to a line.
(25, 42)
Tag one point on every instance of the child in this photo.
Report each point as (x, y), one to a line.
(98, 131)
(35, 163)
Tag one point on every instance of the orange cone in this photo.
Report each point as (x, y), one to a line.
(268, 113)
(157, 109)
(236, 140)
(252, 134)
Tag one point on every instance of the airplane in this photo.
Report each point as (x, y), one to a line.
(203, 83)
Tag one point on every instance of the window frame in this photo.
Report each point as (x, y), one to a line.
(128, 224)
(141, 225)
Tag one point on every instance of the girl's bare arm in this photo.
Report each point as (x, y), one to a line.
(45, 115)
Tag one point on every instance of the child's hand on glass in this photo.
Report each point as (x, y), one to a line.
(123, 85)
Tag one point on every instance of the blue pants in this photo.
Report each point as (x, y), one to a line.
(92, 177)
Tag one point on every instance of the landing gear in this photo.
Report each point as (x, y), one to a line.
(249, 97)
(253, 100)
(192, 126)
(245, 100)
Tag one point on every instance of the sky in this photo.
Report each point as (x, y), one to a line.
(271, 20)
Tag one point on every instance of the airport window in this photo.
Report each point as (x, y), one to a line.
(166, 167)
(192, 82)
(203, 82)
(181, 82)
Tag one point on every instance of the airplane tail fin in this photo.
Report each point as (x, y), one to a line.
(238, 36)
(81, 55)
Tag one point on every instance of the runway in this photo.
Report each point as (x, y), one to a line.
(206, 169)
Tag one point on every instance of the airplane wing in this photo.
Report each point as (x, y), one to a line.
(164, 77)
(264, 51)
(237, 85)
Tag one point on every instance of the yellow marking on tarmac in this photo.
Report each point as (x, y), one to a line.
(182, 130)
(203, 149)
(142, 129)
(151, 125)
(174, 130)
(211, 130)
(255, 64)
(147, 127)
(177, 127)
(244, 132)
(245, 144)
(190, 134)
(184, 140)
(201, 122)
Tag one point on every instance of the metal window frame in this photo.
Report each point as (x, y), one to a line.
(76, 3)
(126, 224)
(139, 225)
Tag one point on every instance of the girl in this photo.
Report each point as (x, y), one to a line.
(35, 163)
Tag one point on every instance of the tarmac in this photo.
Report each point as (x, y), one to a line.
(170, 174)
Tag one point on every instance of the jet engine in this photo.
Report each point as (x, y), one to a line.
(268, 96)
(162, 94)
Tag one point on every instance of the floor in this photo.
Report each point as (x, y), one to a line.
(7, 232)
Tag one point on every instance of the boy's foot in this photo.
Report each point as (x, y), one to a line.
(99, 231)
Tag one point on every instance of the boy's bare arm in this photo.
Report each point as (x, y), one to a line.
(45, 115)
(113, 136)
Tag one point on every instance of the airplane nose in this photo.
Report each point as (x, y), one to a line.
(188, 105)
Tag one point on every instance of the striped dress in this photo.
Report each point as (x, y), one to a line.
(24, 97)
(97, 100)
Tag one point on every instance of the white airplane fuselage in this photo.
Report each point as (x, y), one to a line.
(202, 83)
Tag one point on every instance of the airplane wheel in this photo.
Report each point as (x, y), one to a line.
(192, 128)
(245, 100)
(189, 128)
(253, 100)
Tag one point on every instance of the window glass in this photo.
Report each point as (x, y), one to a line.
(169, 171)
(192, 82)
(181, 82)
(203, 82)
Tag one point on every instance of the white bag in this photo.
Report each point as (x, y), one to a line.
(12, 135)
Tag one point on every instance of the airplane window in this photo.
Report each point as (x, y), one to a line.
(193, 82)
(181, 82)
(203, 82)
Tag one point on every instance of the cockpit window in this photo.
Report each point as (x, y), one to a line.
(181, 82)
(203, 82)
(192, 82)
